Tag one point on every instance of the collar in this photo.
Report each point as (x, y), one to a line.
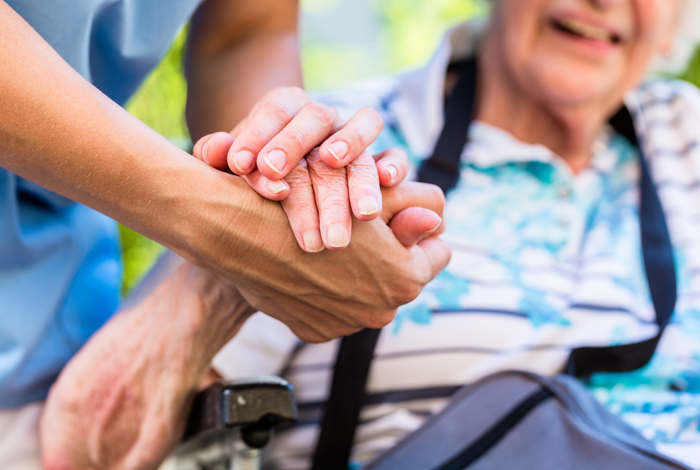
(419, 108)
(419, 104)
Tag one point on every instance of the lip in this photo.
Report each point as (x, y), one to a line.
(595, 45)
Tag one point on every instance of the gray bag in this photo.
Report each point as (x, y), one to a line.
(520, 420)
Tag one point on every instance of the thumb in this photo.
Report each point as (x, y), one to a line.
(411, 194)
(434, 254)
(213, 149)
(414, 224)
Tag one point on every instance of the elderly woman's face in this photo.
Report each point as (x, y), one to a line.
(575, 51)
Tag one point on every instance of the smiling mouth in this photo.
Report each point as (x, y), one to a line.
(585, 30)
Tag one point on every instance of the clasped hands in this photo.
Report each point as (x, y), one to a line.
(122, 401)
(275, 150)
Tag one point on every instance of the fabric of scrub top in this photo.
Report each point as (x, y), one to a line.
(60, 262)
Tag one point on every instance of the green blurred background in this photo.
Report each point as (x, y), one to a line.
(342, 41)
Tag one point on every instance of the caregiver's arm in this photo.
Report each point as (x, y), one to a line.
(237, 51)
(59, 131)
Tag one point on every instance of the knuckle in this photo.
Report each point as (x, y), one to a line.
(438, 195)
(324, 175)
(379, 319)
(299, 174)
(323, 114)
(295, 141)
(432, 194)
(258, 135)
(295, 92)
(406, 294)
(373, 117)
(310, 336)
(335, 202)
(398, 154)
(363, 181)
(313, 159)
(275, 108)
(300, 211)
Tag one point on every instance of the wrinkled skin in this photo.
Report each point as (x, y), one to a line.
(122, 401)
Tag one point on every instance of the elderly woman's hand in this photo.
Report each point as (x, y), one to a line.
(122, 401)
(322, 193)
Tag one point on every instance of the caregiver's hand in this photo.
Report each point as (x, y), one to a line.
(335, 293)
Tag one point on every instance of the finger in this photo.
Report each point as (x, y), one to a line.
(331, 190)
(267, 119)
(392, 166)
(307, 129)
(350, 141)
(273, 190)
(300, 207)
(240, 126)
(213, 149)
(414, 224)
(433, 254)
(363, 186)
(411, 194)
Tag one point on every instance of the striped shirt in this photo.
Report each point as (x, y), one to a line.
(543, 261)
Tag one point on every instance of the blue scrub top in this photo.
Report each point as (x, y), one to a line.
(60, 262)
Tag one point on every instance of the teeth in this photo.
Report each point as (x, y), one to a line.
(586, 30)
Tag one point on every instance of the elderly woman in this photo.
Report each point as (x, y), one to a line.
(544, 225)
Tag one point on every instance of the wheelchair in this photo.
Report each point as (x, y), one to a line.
(230, 422)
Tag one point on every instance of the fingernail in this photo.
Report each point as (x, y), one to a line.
(367, 205)
(431, 231)
(243, 160)
(204, 151)
(393, 171)
(338, 236)
(276, 160)
(277, 186)
(338, 149)
(313, 241)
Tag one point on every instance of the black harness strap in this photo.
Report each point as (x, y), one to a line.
(341, 414)
(657, 253)
(442, 169)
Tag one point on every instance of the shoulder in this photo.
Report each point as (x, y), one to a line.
(667, 96)
(667, 114)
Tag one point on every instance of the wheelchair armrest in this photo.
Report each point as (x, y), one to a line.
(253, 406)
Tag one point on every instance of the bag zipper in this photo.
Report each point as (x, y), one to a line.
(491, 437)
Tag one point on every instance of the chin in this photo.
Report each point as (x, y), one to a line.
(569, 85)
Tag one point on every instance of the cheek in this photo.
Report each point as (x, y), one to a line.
(655, 23)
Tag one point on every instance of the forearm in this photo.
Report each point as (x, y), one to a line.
(62, 133)
(136, 377)
(238, 51)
